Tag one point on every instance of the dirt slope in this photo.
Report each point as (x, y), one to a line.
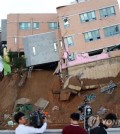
(41, 84)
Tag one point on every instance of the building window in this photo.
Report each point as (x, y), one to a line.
(66, 22)
(92, 35)
(53, 25)
(27, 25)
(112, 30)
(71, 57)
(106, 12)
(24, 25)
(35, 25)
(88, 16)
(69, 41)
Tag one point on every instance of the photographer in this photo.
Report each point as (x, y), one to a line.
(22, 125)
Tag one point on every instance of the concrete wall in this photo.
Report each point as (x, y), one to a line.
(58, 131)
(41, 48)
(97, 69)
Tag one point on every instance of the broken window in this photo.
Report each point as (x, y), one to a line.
(113, 48)
(69, 41)
(71, 57)
(66, 22)
(96, 52)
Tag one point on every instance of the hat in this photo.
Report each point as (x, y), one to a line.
(94, 121)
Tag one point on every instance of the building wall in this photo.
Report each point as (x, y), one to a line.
(15, 34)
(41, 48)
(98, 69)
(77, 28)
(4, 30)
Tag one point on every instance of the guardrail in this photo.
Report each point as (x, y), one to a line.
(59, 131)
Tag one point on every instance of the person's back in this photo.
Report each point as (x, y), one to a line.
(98, 130)
(74, 127)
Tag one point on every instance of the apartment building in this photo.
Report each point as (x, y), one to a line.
(20, 25)
(88, 28)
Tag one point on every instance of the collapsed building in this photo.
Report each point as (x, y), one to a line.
(83, 38)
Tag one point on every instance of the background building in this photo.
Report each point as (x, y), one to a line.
(20, 25)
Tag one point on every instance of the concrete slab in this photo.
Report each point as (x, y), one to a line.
(42, 103)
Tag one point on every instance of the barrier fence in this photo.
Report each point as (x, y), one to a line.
(59, 131)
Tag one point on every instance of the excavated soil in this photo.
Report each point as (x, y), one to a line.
(43, 83)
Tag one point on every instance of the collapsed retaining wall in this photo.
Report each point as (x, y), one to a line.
(98, 69)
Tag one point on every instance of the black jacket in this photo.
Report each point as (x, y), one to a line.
(99, 130)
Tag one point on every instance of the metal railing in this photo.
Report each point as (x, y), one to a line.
(59, 131)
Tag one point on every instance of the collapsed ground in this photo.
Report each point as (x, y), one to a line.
(42, 83)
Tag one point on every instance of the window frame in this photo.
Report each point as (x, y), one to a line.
(109, 31)
(87, 16)
(53, 27)
(107, 10)
(90, 35)
(66, 25)
(71, 42)
(38, 25)
(24, 27)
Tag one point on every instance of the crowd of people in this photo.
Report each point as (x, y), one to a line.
(95, 123)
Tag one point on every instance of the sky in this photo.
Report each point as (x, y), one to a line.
(30, 6)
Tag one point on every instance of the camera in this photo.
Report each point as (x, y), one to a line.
(36, 118)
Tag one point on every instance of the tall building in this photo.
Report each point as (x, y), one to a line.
(20, 25)
(88, 28)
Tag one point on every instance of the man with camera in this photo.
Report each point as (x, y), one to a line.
(22, 125)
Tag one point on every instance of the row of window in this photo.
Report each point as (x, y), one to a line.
(90, 16)
(35, 25)
(95, 34)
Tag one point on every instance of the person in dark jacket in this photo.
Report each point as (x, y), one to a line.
(96, 125)
(74, 127)
(99, 126)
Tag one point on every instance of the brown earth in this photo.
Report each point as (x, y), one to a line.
(42, 84)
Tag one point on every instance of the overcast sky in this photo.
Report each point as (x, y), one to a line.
(30, 6)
